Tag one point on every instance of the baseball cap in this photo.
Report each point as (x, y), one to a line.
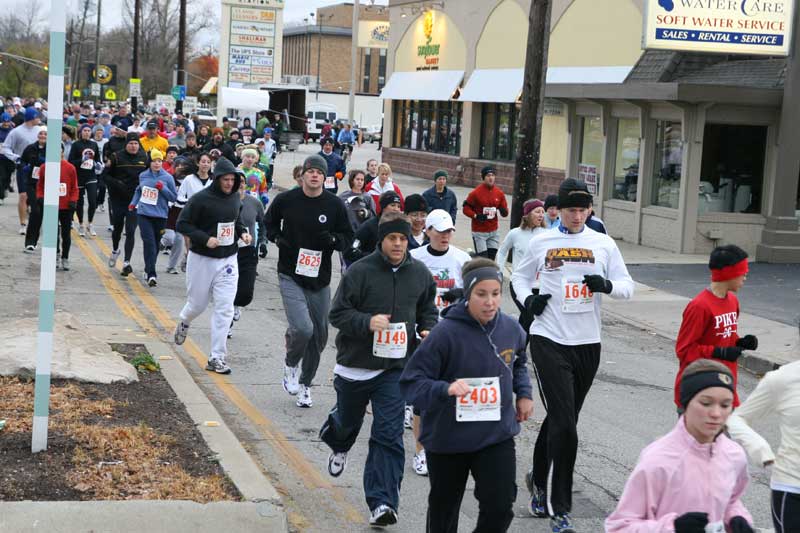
(152, 125)
(440, 220)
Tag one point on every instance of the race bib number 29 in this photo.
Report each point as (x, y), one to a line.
(225, 233)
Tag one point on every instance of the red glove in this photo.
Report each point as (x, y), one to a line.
(159, 185)
(131, 207)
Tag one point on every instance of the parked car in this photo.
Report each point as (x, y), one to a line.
(372, 133)
(205, 116)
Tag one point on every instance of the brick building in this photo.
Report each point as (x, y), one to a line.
(331, 28)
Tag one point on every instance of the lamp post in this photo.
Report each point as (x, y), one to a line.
(319, 53)
(99, 97)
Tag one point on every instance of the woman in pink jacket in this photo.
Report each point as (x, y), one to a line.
(690, 480)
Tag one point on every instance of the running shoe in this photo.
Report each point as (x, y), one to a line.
(126, 269)
(304, 397)
(92, 232)
(64, 263)
(101, 208)
(561, 523)
(82, 230)
(420, 463)
(23, 228)
(538, 505)
(408, 417)
(237, 313)
(152, 281)
(110, 227)
(219, 366)
(180, 333)
(112, 259)
(291, 379)
(383, 515)
(29, 249)
(172, 270)
(337, 461)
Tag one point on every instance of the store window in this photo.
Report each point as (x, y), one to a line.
(732, 171)
(381, 68)
(499, 131)
(428, 126)
(591, 152)
(367, 69)
(667, 164)
(626, 163)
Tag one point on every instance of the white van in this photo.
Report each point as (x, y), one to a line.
(317, 113)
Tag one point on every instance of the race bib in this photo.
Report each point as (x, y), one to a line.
(490, 212)
(62, 189)
(308, 263)
(225, 233)
(391, 343)
(330, 182)
(482, 404)
(577, 296)
(36, 172)
(440, 303)
(715, 527)
(149, 195)
(87, 164)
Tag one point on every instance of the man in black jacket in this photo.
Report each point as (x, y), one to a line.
(211, 221)
(217, 142)
(122, 178)
(383, 301)
(366, 237)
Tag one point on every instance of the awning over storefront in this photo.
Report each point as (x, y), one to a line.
(243, 99)
(435, 85)
(587, 75)
(210, 86)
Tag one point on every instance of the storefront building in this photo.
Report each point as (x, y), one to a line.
(679, 148)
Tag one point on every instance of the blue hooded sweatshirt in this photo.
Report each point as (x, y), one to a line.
(460, 347)
(167, 194)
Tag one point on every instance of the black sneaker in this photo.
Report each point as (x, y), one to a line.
(383, 515)
(219, 366)
(126, 270)
(152, 281)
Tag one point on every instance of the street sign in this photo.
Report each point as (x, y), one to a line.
(111, 94)
(95, 89)
(76, 93)
(190, 105)
(179, 92)
(135, 87)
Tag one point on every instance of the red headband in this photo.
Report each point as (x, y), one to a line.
(729, 272)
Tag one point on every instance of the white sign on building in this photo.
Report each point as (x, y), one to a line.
(725, 26)
(251, 42)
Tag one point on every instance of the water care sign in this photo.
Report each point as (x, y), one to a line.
(724, 26)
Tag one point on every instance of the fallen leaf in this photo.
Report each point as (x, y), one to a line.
(82, 487)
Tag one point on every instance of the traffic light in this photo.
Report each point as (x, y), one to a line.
(46, 67)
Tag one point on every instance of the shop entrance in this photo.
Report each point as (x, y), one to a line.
(732, 171)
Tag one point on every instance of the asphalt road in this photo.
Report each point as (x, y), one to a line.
(629, 406)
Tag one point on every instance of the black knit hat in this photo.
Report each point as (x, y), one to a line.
(727, 255)
(415, 202)
(550, 201)
(573, 193)
(389, 197)
(131, 136)
(316, 161)
(488, 169)
(440, 173)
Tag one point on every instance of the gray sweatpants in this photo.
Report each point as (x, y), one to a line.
(307, 334)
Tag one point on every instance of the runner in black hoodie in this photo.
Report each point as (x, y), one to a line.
(84, 155)
(211, 222)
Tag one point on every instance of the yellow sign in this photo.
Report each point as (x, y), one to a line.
(76, 93)
(110, 94)
(104, 75)
(373, 34)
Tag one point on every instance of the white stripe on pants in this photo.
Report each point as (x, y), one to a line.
(211, 279)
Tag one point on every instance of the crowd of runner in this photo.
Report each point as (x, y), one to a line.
(421, 339)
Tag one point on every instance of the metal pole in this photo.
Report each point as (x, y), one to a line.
(181, 53)
(137, 13)
(319, 51)
(98, 98)
(47, 273)
(351, 103)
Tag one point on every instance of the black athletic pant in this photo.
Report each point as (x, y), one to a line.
(34, 221)
(248, 264)
(65, 226)
(122, 218)
(494, 469)
(565, 375)
(91, 193)
(6, 170)
(786, 511)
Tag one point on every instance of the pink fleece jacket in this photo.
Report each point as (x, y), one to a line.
(676, 475)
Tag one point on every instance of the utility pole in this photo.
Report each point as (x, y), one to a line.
(530, 114)
(137, 13)
(181, 53)
(351, 103)
(97, 52)
(319, 51)
(76, 71)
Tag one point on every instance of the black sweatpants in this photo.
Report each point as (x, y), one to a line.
(248, 266)
(786, 512)
(121, 218)
(6, 170)
(494, 469)
(90, 191)
(65, 226)
(565, 375)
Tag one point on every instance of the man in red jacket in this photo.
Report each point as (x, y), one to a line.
(67, 202)
(483, 205)
(709, 326)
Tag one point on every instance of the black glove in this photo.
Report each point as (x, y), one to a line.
(73, 205)
(282, 242)
(597, 283)
(481, 217)
(453, 295)
(731, 353)
(740, 525)
(748, 342)
(262, 250)
(691, 523)
(503, 211)
(328, 240)
(535, 303)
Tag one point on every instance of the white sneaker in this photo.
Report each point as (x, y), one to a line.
(218, 365)
(29, 249)
(420, 463)
(291, 379)
(383, 515)
(110, 227)
(112, 259)
(237, 313)
(23, 228)
(336, 463)
(92, 232)
(101, 208)
(408, 417)
(304, 397)
(180, 333)
(82, 230)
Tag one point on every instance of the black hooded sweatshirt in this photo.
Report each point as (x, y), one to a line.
(208, 210)
(84, 151)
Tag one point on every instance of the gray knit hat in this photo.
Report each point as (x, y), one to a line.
(316, 161)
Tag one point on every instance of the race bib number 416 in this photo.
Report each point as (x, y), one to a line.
(482, 403)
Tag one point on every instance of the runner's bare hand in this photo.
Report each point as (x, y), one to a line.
(212, 242)
(524, 409)
(379, 322)
(458, 388)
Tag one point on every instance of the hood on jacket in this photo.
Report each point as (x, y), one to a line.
(224, 167)
(458, 311)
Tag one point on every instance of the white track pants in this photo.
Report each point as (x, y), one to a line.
(211, 280)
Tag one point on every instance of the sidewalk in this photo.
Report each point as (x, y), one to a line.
(653, 309)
